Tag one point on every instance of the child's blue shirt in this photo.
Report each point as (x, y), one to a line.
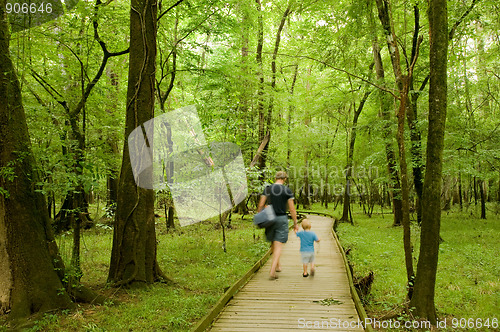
(307, 239)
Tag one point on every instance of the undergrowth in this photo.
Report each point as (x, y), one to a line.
(468, 282)
(468, 277)
(192, 256)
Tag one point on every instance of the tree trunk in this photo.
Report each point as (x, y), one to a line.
(475, 190)
(76, 197)
(306, 192)
(350, 159)
(262, 118)
(425, 282)
(244, 79)
(445, 194)
(307, 121)
(498, 193)
(482, 194)
(133, 257)
(385, 113)
(170, 174)
(411, 116)
(28, 281)
(260, 93)
(112, 141)
(112, 189)
(289, 120)
(405, 193)
(460, 199)
(403, 84)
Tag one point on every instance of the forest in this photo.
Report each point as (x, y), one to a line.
(382, 112)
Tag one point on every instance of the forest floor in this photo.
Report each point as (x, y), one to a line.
(468, 278)
(468, 285)
(192, 256)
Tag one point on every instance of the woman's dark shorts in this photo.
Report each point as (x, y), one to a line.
(278, 231)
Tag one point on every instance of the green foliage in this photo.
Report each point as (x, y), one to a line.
(7, 174)
(44, 323)
(467, 280)
(330, 45)
(215, 45)
(53, 62)
(192, 256)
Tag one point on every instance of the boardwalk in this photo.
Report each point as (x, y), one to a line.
(322, 302)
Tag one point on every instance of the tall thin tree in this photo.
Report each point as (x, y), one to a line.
(425, 282)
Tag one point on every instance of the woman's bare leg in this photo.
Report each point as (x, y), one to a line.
(277, 246)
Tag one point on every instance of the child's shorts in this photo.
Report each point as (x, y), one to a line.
(307, 257)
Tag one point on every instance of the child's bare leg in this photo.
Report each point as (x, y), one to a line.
(305, 269)
(312, 268)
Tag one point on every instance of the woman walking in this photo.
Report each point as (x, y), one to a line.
(281, 198)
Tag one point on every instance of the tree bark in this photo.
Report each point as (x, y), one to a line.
(260, 94)
(385, 114)
(291, 108)
(403, 84)
(267, 120)
(425, 282)
(28, 280)
(482, 194)
(350, 160)
(460, 199)
(112, 141)
(498, 193)
(133, 257)
(412, 119)
(305, 193)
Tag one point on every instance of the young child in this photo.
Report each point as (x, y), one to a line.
(307, 238)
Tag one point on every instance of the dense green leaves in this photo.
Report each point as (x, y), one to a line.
(207, 57)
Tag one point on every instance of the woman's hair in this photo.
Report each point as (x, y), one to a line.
(306, 224)
(281, 175)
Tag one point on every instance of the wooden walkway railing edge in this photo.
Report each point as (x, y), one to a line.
(354, 294)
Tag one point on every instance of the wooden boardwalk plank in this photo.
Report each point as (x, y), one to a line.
(293, 302)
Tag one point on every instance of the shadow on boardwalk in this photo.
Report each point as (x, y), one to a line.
(292, 302)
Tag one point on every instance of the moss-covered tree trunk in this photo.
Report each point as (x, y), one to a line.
(402, 82)
(423, 296)
(112, 142)
(28, 280)
(260, 94)
(385, 114)
(412, 120)
(133, 257)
